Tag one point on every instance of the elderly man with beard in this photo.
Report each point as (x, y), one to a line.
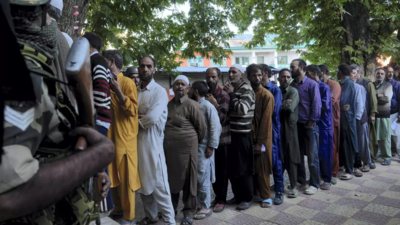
(363, 156)
(384, 93)
(348, 126)
(394, 108)
(153, 174)
(324, 126)
(220, 99)
(290, 140)
(336, 92)
(206, 169)
(371, 104)
(262, 134)
(240, 153)
(309, 113)
(184, 130)
(276, 140)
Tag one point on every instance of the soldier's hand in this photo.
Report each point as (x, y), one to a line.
(211, 99)
(228, 88)
(209, 152)
(114, 85)
(257, 149)
(92, 136)
(106, 184)
(372, 118)
(346, 107)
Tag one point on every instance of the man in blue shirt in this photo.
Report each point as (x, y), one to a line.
(325, 127)
(276, 138)
(309, 113)
(394, 108)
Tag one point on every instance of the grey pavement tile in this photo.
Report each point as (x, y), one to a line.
(262, 213)
(285, 205)
(392, 170)
(329, 218)
(336, 191)
(314, 204)
(394, 221)
(387, 201)
(351, 202)
(341, 210)
(300, 211)
(311, 222)
(395, 188)
(356, 222)
(370, 190)
(208, 221)
(244, 219)
(226, 215)
(285, 219)
(355, 180)
(371, 217)
(384, 180)
(382, 209)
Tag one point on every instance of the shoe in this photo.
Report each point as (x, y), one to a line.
(386, 162)
(372, 166)
(334, 180)
(278, 198)
(292, 193)
(243, 205)
(326, 186)
(365, 168)
(357, 172)
(346, 176)
(341, 168)
(128, 222)
(311, 190)
(231, 201)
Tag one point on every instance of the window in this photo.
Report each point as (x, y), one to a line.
(260, 59)
(215, 64)
(242, 61)
(198, 61)
(282, 60)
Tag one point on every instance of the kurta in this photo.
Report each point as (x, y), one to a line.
(206, 167)
(153, 105)
(348, 118)
(123, 132)
(185, 128)
(262, 135)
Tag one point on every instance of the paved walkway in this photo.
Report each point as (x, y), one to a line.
(371, 199)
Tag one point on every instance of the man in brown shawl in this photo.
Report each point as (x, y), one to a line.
(184, 130)
(262, 134)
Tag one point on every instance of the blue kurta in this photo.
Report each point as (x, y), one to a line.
(276, 137)
(394, 102)
(325, 130)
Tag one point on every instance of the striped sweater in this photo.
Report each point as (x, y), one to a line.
(241, 108)
(101, 89)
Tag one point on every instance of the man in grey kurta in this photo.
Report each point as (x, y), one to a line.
(184, 130)
(153, 112)
(289, 137)
(206, 165)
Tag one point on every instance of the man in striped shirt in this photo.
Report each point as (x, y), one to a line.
(240, 153)
(101, 87)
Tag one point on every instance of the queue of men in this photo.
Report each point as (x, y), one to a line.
(203, 138)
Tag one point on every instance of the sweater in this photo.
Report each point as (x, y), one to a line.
(241, 108)
(384, 88)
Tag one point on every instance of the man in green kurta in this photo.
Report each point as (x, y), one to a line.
(289, 137)
(184, 130)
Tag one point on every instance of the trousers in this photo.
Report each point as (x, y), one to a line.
(221, 174)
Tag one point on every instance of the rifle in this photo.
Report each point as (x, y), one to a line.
(79, 77)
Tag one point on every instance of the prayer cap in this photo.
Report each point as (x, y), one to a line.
(182, 77)
(239, 67)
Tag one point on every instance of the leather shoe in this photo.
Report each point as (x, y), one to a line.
(278, 198)
(243, 205)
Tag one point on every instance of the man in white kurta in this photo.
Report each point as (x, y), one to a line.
(153, 112)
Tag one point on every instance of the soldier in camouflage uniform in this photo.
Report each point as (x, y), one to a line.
(40, 176)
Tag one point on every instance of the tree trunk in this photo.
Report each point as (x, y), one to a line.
(357, 23)
(67, 21)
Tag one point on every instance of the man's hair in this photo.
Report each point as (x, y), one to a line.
(267, 69)
(94, 40)
(302, 63)
(380, 68)
(356, 67)
(315, 69)
(324, 69)
(216, 69)
(201, 87)
(387, 67)
(396, 68)
(283, 70)
(345, 69)
(114, 54)
(148, 56)
(253, 68)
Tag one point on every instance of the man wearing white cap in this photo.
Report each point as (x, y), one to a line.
(240, 152)
(184, 130)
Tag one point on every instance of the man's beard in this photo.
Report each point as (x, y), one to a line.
(145, 78)
(284, 85)
(212, 85)
(296, 73)
(255, 84)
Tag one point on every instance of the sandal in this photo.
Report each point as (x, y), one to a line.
(346, 177)
(267, 203)
(386, 162)
(201, 215)
(128, 222)
(357, 173)
(219, 208)
(292, 193)
(365, 168)
(147, 220)
(187, 221)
